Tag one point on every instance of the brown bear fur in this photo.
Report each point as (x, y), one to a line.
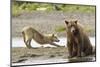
(78, 42)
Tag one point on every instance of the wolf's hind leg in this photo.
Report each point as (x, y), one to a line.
(24, 38)
(28, 43)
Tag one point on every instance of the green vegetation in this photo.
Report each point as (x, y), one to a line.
(60, 29)
(89, 29)
(18, 7)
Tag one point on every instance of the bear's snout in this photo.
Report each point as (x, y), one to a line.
(72, 29)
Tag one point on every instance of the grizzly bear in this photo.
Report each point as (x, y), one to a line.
(78, 42)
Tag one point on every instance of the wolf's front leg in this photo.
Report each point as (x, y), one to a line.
(54, 44)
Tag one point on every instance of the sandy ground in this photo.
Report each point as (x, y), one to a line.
(43, 55)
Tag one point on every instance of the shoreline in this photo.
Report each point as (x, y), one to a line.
(18, 42)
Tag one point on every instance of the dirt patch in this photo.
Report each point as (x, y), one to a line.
(39, 55)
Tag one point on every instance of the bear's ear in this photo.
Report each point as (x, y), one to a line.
(53, 35)
(76, 22)
(66, 22)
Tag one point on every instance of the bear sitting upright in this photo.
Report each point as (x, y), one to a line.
(77, 40)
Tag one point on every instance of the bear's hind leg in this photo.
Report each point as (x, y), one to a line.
(88, 51)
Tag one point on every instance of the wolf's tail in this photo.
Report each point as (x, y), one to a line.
(23, 35)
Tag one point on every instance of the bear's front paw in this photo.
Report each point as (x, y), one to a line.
(70, 56)
(79, 55)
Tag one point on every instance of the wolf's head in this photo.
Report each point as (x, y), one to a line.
(54, 38)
